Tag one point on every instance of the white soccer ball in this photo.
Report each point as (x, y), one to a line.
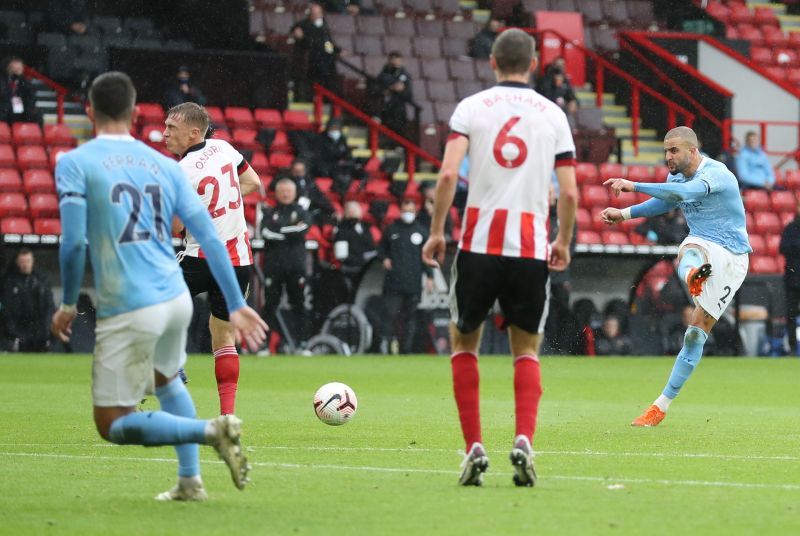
(335, 403)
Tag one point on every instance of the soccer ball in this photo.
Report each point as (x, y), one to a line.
(335, 403)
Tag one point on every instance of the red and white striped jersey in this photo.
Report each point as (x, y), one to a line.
(516, 138)
(213, 168)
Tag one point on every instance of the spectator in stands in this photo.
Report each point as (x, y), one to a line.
(17, 96)
(27, 305)
(314, 48)
(755, 169)
(790, 248)
(394, 83)
(284, 228)
(610, 340)
(353, 244)
(558, 89)
(309, 196)
(353, 7)
(67, 16)
(401, 253)
(666, 229)
(481, 45)
(182, 90)
(333, 157)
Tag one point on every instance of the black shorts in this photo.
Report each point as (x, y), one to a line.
(199, 279)
(520, 285)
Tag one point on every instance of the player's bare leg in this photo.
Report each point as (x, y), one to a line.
(527, 393)
(226, 363)
(466, 381)
(687, 360)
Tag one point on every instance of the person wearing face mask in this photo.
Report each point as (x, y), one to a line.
(309, 196)
(334, 159)
(182, 90)
(17, 96)
(314, 53)
(401, 253)
(352, 240)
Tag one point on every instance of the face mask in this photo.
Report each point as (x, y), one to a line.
(335, 134)
(318, 23)
(408, 217)
(183, 80)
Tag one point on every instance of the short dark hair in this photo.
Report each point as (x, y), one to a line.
(513, 51)
(395, 54)
(112, 96)
(24, 251)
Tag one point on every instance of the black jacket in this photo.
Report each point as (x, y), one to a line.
(318, 42)
(20, 87)
(360, 245)
(27, 307)
(402, 243)
(481, 46)
(790, 248)
(284, 229)
(331, 155)
(390, 76)
(319, 206)
(173, 95)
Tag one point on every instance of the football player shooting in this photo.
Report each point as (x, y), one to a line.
(514, 137)
(221, 177)
(712, 260)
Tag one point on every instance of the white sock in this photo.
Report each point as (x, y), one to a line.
(663, 402)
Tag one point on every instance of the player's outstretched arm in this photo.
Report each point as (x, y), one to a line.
(249, 182)
(672, 192)
(647, 209)
(454, 152)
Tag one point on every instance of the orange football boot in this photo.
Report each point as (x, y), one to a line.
(696, 277)
(651, 417)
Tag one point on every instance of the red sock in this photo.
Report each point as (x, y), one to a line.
(466, 381)
(226, 368)
(527, 392)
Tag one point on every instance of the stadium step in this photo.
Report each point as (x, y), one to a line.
(789, 22)
(589, 98)
(777, 8)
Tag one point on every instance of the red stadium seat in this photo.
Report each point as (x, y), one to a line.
(392, 213)
(324, 184)
(245, 139)
(786, 218)
(773, 244)
(774, 36)
(260, 163)
(268, 118)
(222, 134)
(378, 189)
(38, 181)
(783, 201)
(44, 206)
(639, 174)
(280, 160)
(586, 173)
(32, 156)
(59, 135)
(614, 238)
(718, 11)
(13, 204)
(150, 113)
(239, 117)
(596, 221)
(594, 195)
(47, 226)
(5, 132)
(625, 199)
(10, 180)
(750, 33)
(609, 170)
(763, 264)
(740, 14)
(15, 226)
(216, 115)
(7, 157)
(761, 55)
(280, 143)
(756, 200)
(765, 16)
(297, 120)
(583, 219)
(589, 237)
(785, 57)
(767, 223)
(758, 244)
(26, 133)
(791, 178)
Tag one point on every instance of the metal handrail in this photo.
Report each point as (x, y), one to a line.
(762, 128)
(61, 91)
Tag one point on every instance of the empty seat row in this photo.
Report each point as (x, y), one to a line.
(776, 201)
(235, 116)
(32, 134)
(588, 173)
(739, 13)
(30, 156)
(35, 205)
(18, 225)
(31, 181)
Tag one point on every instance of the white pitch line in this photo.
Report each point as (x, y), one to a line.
(366, 468)
(700, 455)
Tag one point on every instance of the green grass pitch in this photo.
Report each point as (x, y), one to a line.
(725, 461)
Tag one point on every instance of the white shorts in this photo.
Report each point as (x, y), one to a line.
(130, 346)
(728, 271)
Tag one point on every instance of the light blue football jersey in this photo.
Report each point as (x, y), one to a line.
(131, 193)
(719, 216)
